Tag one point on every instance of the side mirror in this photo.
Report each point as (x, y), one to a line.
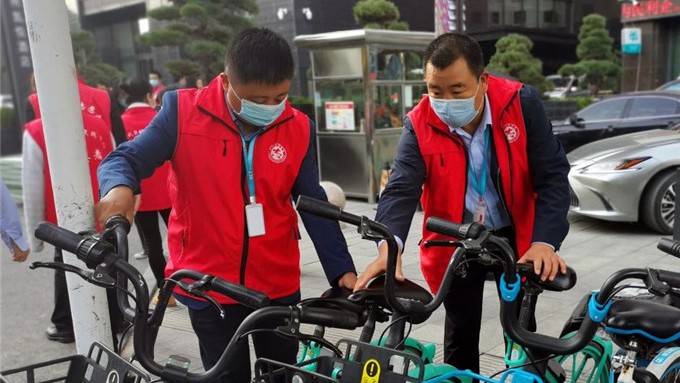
(576, 121)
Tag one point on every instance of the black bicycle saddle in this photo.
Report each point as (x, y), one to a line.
(562, 282)
(374, 294)
(336, 298)
(652, 320)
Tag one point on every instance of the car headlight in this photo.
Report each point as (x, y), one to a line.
(614, 166)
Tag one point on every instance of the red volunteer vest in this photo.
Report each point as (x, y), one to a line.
(446, 177)
(93, 101)
(155, 188)
(208, 187)
(99, 144)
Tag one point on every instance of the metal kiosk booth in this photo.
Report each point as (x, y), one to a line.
(364, 82)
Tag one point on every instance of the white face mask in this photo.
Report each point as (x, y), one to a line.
(259, 114)
(456, 112)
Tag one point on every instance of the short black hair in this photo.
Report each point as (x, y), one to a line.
(449, 47)
(259, 55)
(136, 90)
(157, 73)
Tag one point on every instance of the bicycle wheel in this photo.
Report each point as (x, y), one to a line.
(666, 365)
(590, 365)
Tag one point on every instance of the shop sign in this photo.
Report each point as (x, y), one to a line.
(340, 115)
(650, 9)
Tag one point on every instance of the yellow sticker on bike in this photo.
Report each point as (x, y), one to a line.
(371, 372)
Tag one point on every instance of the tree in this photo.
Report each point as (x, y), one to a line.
(513, 57)
(89, 62)
(201, 29)
(378, 14)
(598, 62)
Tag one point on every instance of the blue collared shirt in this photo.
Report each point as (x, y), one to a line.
(496, 216)
(10, 224)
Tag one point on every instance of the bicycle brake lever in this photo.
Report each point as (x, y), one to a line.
(197, 289)
(97, 278)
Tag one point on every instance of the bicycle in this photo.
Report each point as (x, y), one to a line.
(539, 348)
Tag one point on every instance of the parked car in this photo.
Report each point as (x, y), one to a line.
(617, 115)
(6, 101)
(628, 178)
(671, 86)
(565, 86)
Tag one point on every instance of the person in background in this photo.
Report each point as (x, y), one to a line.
(480, 149)
(39, 206)
(155, 197)
(10, 225)
(156, 82)
(243, 229)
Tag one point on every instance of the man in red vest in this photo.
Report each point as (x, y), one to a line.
(239, 153)
(39, 203)
(477, 148)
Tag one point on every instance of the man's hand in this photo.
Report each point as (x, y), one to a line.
(378, 267)
(546, 262)
(19, 255)
(118, 201)
(348, 280)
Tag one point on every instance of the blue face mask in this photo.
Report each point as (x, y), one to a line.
(455, 113)
(153, 82)
(259, 114)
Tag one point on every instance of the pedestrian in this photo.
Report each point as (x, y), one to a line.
(478, 148)
(10, 226)
(39, 206)
(155, 200)
(156, 81)
(239, 154)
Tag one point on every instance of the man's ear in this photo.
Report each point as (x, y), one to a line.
(225, 81)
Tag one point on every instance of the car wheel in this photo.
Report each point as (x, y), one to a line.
(658, 203)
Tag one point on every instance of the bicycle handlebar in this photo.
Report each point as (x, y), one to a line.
(669, 246)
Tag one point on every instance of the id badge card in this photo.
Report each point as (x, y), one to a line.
(479, 214)
(255, 219)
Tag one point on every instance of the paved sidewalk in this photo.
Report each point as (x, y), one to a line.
(593, 248)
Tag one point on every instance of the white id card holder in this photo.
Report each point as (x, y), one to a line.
(255, 219)
(480, 211)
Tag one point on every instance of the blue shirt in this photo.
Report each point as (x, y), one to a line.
(496, 216)
(10, 224)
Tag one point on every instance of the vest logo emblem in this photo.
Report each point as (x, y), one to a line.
(277, 153)
(511, 132)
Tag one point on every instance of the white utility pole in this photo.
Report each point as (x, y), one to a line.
(56, 81)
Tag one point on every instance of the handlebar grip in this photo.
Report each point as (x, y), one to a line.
(241, 294)
(452, 229)
(58, 237)
(118, 220)
(670, 277)
(329, 318)
(325, 209)
(669, 246)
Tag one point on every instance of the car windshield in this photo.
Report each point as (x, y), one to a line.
(560, 82)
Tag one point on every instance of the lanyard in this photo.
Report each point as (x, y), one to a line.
(479, 185)
(248, 159)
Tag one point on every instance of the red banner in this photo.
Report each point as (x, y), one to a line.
(650, 9)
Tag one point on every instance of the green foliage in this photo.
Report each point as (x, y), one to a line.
(599, 63)
(513, 57)
(89, 62)
(7, 118)
(378, 14)
(202, 30)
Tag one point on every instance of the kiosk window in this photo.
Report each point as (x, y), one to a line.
(413, 62)
(343, 102)
(388, 101)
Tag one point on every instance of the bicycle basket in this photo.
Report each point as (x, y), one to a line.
(100, 365)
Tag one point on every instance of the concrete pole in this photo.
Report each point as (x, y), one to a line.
(55, 77)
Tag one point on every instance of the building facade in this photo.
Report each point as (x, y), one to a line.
(659, 58)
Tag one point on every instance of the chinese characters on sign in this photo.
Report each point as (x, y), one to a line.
(16, 11)
(18, 52)
(649, 10)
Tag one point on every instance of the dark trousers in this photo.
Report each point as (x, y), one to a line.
(61, 315)
(150, 234)
(463, 306)
(214, 334)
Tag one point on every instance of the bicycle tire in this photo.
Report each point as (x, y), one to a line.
(592, 364)
(666, 365)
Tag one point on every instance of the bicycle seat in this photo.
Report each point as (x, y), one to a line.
(374, 294)
(562, 282)
(336, 298)
(652, 320)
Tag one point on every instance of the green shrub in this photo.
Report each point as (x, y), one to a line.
(7, 118)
